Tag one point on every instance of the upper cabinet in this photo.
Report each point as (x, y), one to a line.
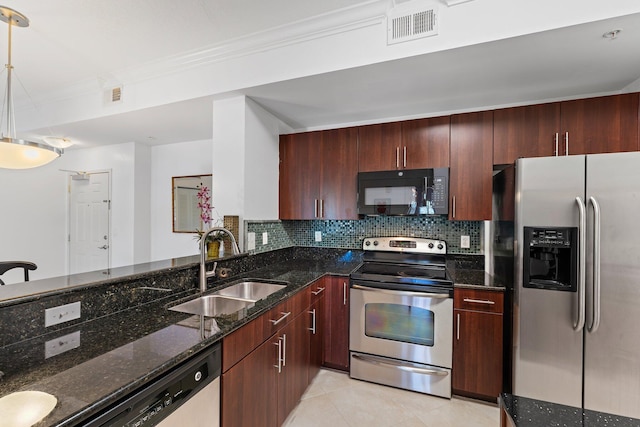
(470, 173)
(605, 124)
(413, 144)
(318, 173)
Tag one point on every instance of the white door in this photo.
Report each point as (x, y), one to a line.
(89, 212)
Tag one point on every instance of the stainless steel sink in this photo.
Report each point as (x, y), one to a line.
(213, 305)
(250, 290)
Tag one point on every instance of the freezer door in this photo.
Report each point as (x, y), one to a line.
(612, 350)
(547, 350)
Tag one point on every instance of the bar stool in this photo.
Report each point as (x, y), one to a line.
(8, 265)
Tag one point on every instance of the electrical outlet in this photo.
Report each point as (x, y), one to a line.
(60, 345)
(465, 242)
(265, 238)
(251, 241)
(318, 236)
(61, 314)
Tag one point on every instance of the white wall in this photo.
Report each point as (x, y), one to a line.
(186, 158)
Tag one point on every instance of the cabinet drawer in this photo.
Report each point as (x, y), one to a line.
(478, 300)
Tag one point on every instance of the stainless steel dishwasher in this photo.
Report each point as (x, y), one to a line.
(189, 395)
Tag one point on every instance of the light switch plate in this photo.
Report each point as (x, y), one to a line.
(61, 314)
(318, 236)
(61, 344)
(251, 241)
(465, 242)
(265, 238)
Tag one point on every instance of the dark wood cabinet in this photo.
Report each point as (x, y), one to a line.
(318, 173)
(412, 144)
(478, 343)
(470, 174)
(336, 344)
(317, 329)
(528, 131)
(606, 124)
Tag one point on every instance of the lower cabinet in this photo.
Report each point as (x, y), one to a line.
(336, 343)
(262, 385)
(477, 343)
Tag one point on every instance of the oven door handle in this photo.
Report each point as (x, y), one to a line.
(397, 365)
(403, 293)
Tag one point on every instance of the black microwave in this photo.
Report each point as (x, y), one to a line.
(404, 192)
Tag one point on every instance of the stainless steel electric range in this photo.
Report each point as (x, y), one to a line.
(401, 318)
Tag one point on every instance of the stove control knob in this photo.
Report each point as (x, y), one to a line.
(367, 243)
(440, 246)
(430, 245)
(375, 243)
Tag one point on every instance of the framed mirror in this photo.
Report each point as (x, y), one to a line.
(185, 193)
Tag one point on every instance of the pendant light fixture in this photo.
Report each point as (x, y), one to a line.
(19, 153)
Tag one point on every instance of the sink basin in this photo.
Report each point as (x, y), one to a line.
(250, 290)
(213, 305)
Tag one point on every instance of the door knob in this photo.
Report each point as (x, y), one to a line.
(103, 247)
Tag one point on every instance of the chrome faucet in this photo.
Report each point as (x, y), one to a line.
(204, 274)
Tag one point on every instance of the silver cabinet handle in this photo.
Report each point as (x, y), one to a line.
(279, 365)
(557, 137)
(284, 316)
(318, 292)
(578, 324)
(390, 364)
(344, 293)
(479, 301)
(566, 143)
(402, 293)
(458, 328)
(313, 321)
(596, 265)
(103, 247)
(397, 157)
(404, 157)
(321, 208)
(454, 207)
(284, 350)
(315, 208)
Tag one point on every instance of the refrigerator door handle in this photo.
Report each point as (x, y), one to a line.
(596, 265)
(578, 323)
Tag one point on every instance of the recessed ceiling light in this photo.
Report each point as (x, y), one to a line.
(613, 34)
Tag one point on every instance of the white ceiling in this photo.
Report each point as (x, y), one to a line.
(99, 37)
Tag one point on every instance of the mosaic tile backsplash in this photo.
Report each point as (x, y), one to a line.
(348, 234)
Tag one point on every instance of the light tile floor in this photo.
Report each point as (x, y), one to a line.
(335, 400)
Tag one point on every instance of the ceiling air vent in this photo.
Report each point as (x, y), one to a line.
(116, 94)
(404, 26)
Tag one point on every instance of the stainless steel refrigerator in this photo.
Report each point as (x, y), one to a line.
(576, 337)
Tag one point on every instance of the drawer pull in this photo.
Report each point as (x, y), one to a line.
(284, 316)
(479, 301)
(318, 292)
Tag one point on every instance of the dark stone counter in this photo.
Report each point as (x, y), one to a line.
(525, 412)
(121, 347)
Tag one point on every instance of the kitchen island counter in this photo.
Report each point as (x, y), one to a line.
(93, 363)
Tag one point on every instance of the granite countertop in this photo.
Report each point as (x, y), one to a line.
(122, 351)
(476, 279)
(525, 412)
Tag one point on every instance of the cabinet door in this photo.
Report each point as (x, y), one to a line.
(299, 175)
(294, 377)
(336, 345)
(529, 131)
(317, 329)
(477, 354)
(249, 395)
(339, 172)
(425, 143)
(471, 169)
(607, 124)
(379, 147)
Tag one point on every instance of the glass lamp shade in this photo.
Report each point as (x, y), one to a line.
(21, 154)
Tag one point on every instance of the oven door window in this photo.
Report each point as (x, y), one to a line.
(399, 322)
